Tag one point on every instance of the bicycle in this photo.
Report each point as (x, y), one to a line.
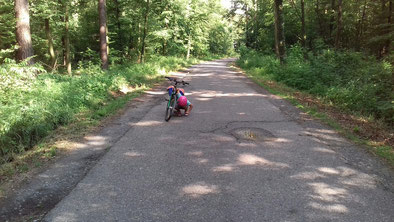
(172, 100)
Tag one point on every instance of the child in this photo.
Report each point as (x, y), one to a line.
(182, 103)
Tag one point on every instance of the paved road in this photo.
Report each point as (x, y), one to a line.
(242, 155)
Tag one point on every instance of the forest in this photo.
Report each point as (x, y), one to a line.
(60, 59)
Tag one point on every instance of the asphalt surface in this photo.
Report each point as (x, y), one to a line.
(242, 155)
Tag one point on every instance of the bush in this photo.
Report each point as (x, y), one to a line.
(350, 80)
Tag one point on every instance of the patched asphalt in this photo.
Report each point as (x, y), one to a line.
(242, 155)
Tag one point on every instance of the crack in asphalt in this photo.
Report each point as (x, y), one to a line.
(227, 125)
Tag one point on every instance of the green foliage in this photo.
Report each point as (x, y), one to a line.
(349, 80)
(221, 40)
(32, 105)
(7, 27)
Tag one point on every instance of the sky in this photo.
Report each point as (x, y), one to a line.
(226, 4)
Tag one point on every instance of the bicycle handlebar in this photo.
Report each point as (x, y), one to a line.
(176, 81)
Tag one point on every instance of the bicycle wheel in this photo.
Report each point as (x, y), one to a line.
(170, 108)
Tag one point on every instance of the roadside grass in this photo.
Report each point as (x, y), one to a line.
(59, 141)
(343, 122)
(99, 95)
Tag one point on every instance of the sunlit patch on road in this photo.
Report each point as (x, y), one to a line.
(133, 154)
(327, 192)
(248, 159)
(199, 189)
(196, 153)
(224, 168)
(332, 208)
(147, 123)
(96, 140)
(323, 150)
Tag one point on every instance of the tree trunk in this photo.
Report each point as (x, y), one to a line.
(67, 40)
(23, 35)
(386, 47)
(137, 47)
(319, 20)
(107, 39)
(103, 34)
(164, 47)
(117, 15)
(64, 50)
(360, 27)
(339, 25)
(279, 31)
(145, 32)
(131, 40)
(303, 34)
(189, 45)
(332, 19)
(51, 50)
(118, 24)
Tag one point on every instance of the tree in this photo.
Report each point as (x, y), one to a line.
(145, 31)
(332, 18)
(361, 26)
(279, 31)
(339, 25)
(103, 34)
(67, 40)
(386, 47)
(303, 34)
(51, 50)
(23, 36)
(319, 18)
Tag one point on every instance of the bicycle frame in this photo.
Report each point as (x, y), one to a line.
(172, 101)
(173, 95)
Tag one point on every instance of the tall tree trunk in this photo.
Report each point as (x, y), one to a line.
(51, 50)
(319, 20)
(189, 46)
(67, 40)
(137, 47)
(303, 34)
(164, 47)
(332, 19)
(23, 35)
(132, 41)
(386, 47)
(103, 34)
(64, 49)
(279, 31)
(107, 39)
(118, 20)
(145, 32)
(339, 25)
(360, 27)
(118, 24)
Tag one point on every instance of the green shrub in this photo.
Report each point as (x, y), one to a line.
(350, 80)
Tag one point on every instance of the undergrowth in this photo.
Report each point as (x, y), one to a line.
(348, 80)
(33, 102)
